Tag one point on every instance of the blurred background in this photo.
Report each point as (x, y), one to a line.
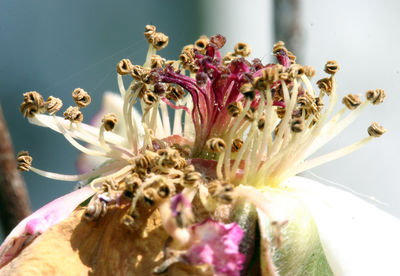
(56, 46)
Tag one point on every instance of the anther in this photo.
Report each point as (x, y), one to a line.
(160, 88)
(124, 67)
(261, 123)
(309, 71)
(376, 96)
(53, 105)
(160, 41)
(201, 43)
(297, 125)
(156, 61)
(331, 67)
(191, 177)
(260, 83)
(175, 93)
(24, 161)
(73, 114)
(326, 85)
(215, 145)
(149, 32)
(242, 49)
(235, 108)
(248, 91)
(250, 114)
(95, 209)
(295, 71)
(33, 103)
(228, 58)
(81, 97)
(236, 145)
(351, 101)
(279, 46)
(150, 98)
(109, 121)
(218, 40)
(376, 130)
(138, 71)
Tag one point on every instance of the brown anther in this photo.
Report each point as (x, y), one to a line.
(280, 112)
(149, 32)
(73, 114)
(326, 85)
(124, 67)
(221, 191)
(250, 114)
(175, 93)
(248, 91)
(138, 71)
(376, 130)
(81, 97)
(236, 145)
(165, 190)
(109, 121)
(297, 125)
(33, 103)
(131, 184)
(201, 43)
(150, 98)
(295, 71)
(128, 221)
(279, 46)
(261, 123)
(331, 67)
(159, 41)
(218, 40)
(376, 96)
(269, 74)
(156, 61)
(169, 158)
(309, 71)
(235, 108)
(292, 57)
(215, 145)
(151, 196)
(351, 101)
(242, 49)
(24, 161)
(95, 209)
(191, 177)
(260, 84)
(228, 58)
(53, 105)
(110, 185)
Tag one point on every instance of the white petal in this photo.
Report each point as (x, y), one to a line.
(357, 237)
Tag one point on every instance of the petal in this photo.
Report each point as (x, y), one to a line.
(357, 237)
(40, 221)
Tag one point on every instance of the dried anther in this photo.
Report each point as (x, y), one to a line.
(376, 96)
(295, 71)
(175, 93)
(109, 121)
(297, 125)
(157, 40)
(150, 98)
(53, 105)
(124, 67)
(309, 71)
(138, 72)
(24, 161)
(216, 145)
(81, 97)
(326, 85)
(331, 67)
(222, 191)
(73, 114)
(32, 104)
(96, 209)
(375, 130)
(236, 145)
(156, 61)
(242, 49)
(201, 43)
(261, 123)
(351, 101)
(192, 177)
(235, 108)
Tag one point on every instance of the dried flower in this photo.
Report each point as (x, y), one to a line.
(184, 199)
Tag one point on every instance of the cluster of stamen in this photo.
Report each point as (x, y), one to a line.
(255, 124)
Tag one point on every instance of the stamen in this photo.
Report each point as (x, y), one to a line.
(81, 97)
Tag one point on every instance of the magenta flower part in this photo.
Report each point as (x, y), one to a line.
(217, 244)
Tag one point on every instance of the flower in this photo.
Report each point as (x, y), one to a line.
(212, 189)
